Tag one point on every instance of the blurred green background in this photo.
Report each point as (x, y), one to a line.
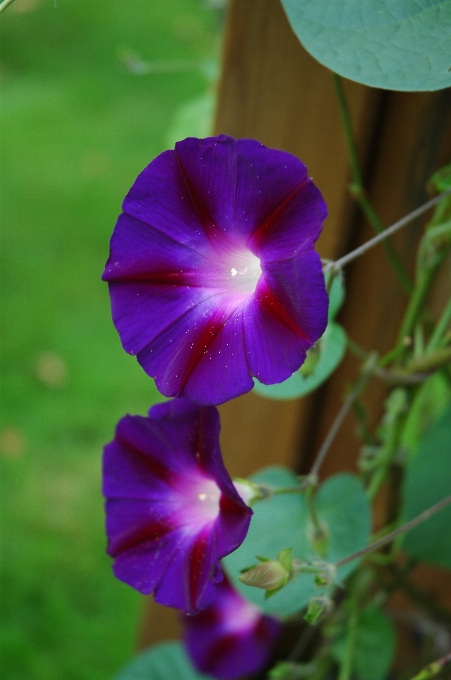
(91, 92)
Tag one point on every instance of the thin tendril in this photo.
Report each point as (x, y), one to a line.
(342, 261)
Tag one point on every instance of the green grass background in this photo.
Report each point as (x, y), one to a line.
(77, 127)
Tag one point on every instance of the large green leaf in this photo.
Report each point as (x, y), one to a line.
(427, 481)
(283, 522)
(330, 348)
(393, 44)
(375, 645)
(167, 660)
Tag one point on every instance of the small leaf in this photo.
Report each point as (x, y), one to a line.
(317, 608)
(427, 481)
(283, 520)
(332, 346)
(160, 662)
(375, 645)
(392, 44)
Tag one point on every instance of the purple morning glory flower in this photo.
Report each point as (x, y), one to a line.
(231, 638)
(172, 511)
(212, 273)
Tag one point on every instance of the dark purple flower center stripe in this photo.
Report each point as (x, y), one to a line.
(226, 505)
(202, 454)
(153, 466)
(259, 234)
(208, 335)
(168, 278)
(268, 300)
(151, 533)
(196, 566)
(210, 229)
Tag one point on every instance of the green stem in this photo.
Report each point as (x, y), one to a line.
(397, 532)
(360, 250)
(357, 188)
(415, 305)
(318, 528)
(439, 330)
(394, 418)
(367, 371)
(5, 4)
(347, 664)
(349, 134)
(431, 362)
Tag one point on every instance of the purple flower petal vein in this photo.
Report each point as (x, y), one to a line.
(172, 510)
(212, 273)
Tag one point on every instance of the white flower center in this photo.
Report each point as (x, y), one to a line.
(240, 617)
(244, 271)
(201, 502)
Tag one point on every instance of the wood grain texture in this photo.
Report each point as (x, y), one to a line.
(414, 140)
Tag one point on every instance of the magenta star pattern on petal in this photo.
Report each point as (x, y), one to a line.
(172, 510)
(232, 638)
(212, 273)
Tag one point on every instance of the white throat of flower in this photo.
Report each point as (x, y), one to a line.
(244, 271)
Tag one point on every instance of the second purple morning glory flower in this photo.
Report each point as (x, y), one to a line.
(212, 271)
(172, 509)
(231, 638)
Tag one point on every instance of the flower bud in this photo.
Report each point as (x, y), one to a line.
(318, 607)
(270, 575)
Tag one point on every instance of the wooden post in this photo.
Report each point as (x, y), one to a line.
(273, 91)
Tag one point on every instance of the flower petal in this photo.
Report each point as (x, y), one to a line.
(293, 227)
(160, 197)
(298, 285)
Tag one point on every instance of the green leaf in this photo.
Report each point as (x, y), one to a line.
(160, 662)
(392, 44)
(283, 522)
(332, 346)
(375, 645)
(427, 481)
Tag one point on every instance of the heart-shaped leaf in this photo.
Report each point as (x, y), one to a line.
(160, 662)
(283, 522)
(327, 353)
(392, 44)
